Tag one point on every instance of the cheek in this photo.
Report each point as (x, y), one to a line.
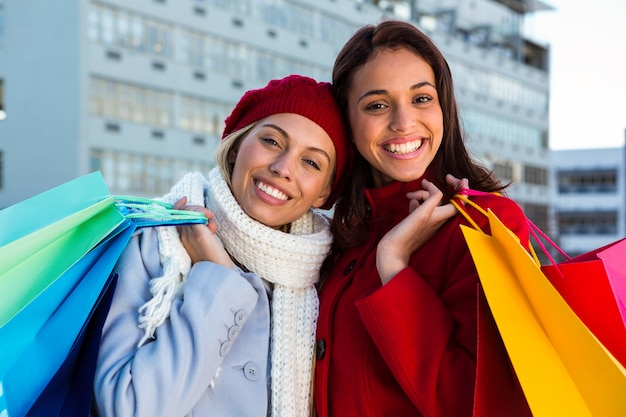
(313, 187)
(238, 177)
(365, 131)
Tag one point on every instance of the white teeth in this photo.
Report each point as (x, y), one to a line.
(403, 148)
(271, 191)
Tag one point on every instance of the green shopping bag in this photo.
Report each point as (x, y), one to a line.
(45, 235)
(57, 250)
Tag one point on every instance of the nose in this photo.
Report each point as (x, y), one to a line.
(402, 119)
(283, 165)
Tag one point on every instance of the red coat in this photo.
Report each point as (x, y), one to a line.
(410, 348)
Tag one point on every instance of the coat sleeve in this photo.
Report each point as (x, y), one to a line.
(168, 375)
(426, 327)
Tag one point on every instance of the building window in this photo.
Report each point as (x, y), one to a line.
(202, 116)
(585, 181)
(142, 174)
(1, 22)
(482, 124)
(130, 30)
(538, 214)
(588, 222)
(1, 170)
(535, 175)
(3, 114)
(123, 101)
(504, 171)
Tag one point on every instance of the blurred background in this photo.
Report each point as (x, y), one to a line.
(139, 90)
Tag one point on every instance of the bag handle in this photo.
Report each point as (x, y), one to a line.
(463, 196)
(146, 212)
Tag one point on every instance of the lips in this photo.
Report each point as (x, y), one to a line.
(404, 148)
(271, 191)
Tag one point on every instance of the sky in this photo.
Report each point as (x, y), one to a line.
(587, 41)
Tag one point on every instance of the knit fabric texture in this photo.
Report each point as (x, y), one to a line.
(290, 261)
(306, 97)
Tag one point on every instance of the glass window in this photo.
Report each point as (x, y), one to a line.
(503, 170)
(587, 222)
(535, 175)
(538, 214)
(93, 23)
(585, 181)
(1, 170)
(137, 34)
(3, 113)
(124, 31)
(108, 26)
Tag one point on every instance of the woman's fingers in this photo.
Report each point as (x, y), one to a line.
(181, 204)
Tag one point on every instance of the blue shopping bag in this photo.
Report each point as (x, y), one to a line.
(44, 354)
(56, 287)
(70, 392)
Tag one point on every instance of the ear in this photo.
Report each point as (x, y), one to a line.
(321, 199)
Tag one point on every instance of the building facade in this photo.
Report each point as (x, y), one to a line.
(589, 198)
(139, 89)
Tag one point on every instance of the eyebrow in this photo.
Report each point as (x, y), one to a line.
(379, 92)
(284, 133)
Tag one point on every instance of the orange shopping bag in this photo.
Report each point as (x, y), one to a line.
(561, 365)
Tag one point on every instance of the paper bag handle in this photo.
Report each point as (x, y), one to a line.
(145, 212)
(463, 196)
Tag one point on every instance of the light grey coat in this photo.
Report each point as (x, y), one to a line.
(209, 358)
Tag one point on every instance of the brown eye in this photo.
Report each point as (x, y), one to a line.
(270, 141)
(313, 164)
(422, 99)
(375, 106)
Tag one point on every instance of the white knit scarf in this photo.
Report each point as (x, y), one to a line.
(290, 261)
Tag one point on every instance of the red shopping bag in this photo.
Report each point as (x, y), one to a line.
(593, 284)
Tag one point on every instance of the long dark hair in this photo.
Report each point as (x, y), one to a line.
(351, 212)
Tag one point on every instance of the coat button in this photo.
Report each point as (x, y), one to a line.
(225, 348)
(320, 349)
(251, 371)
(233, 332)
(349, 267)
(240, 317)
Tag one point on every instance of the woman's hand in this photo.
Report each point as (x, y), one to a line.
(199, 240)
(426, 216)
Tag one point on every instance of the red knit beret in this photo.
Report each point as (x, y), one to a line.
(306, 97)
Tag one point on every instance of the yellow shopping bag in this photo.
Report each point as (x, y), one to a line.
(563, 369)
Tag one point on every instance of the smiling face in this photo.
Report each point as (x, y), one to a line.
(395, 115)
(283, 167)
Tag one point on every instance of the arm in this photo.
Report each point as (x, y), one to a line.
(168, 375)
(426, 216)
(424, 321)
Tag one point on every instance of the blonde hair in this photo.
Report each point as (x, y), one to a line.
(226, 153)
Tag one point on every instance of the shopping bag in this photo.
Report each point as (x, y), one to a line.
(593, 284)
(54, 276)
(562, 367)
(45, 235)
(70, 392)
(496, 387)
(28, 365)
